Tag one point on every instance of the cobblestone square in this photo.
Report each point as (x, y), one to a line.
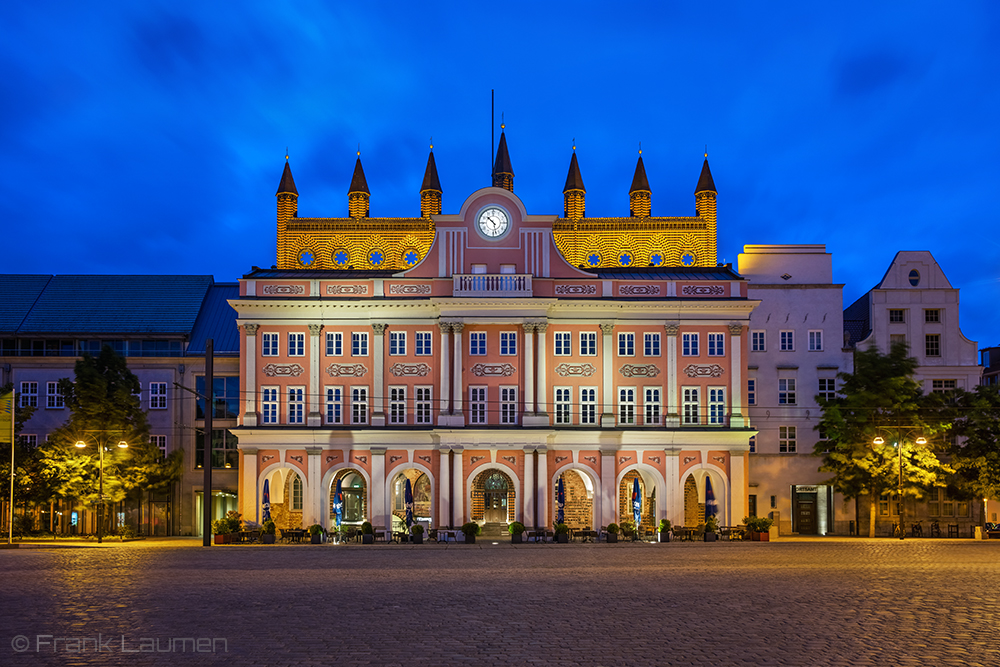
(793, 602)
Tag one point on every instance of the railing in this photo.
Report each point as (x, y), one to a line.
(492, 284)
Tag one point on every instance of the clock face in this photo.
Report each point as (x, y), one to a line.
(493, 222)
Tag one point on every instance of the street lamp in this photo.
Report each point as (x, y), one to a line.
(100, 493)
(921, 440)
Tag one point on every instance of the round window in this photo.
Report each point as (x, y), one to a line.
(914, 277)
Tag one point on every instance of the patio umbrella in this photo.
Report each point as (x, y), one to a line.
(408, 499)
(266, 502)
(711, 507)
(636, 503)
(338, 502)
(560, 501)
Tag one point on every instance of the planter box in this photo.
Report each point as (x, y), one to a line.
(562, 538)
(367, 539)
(711, 537)
(316, 539)
(666, 537)
(223, 539)
(417, 539)
(760, 537)
(470, 539)
(267, 538)
(612, 538)
(517, 538)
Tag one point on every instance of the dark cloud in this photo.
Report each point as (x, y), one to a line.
(867, 74)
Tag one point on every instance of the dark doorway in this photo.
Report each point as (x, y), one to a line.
(805, 513)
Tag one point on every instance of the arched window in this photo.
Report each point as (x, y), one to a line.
(495, 482)
(296, 494)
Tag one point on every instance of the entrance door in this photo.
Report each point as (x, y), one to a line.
(806, 513)
(496, 506)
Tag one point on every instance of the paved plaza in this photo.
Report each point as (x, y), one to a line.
(794, 602)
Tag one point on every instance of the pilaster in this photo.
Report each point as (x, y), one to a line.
(544, 489)
(249, 502)
(529, 371)
(737, 418)
(608, 491)
(528, 492)
(444, 392)
(250, 374)
(378, 375)
(458, 418)
(458, 484)
(311, 512)
(377, 498)
(444, 489)
(608, 374)
(315, 418)
(672, 416)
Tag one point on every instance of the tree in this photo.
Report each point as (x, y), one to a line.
(880, 398)
(104, 410)
(977, 459)
(30, 481)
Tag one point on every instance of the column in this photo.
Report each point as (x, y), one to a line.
(249, 503)
(737, 418)
(250, 375)
(378, 371)
(315, 418)
(444, 489)
(458, 482)
(311, 512)
(609, 494)
(528, 492)
(674, 491)
(672, 416)
(540, 329)
(737, 487)
(456, 329)
(444, 391)
(529, 369)
(607, 350)
(544, 489)
(377, 491)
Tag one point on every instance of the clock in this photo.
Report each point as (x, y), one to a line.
(493, 222)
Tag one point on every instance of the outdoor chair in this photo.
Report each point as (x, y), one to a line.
(952, 530)
(381, 534)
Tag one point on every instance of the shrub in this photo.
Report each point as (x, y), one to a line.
(712, 524)
(613, 528)
(665, 526)
(315, 529)
(561, 529)
(269, 527)
(417, 529)
(516, 528)
(367, 529)
(471, 528)
(757, 524)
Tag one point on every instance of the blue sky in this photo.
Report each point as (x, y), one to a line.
(149, 137)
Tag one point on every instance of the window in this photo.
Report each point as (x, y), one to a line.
(424, 343)
(28, 441)
(787, 340)
(157, 395)
(932, 345)
(942, 505)
(716, 342)
(942, 386)
(296, 345)
(397, 343)
(508, 405)
(588, 405)
(334, 405)
(896, 315)
(269, 345)
(757, 341)
(226, 397)
(588, 344)
(752, 391)
(815, 341)
(508, 343)
(359, 344)
(296, 405)
(269, 405)
(690, 405)
(932, 315)
(296, 493)
(563, 346)
(827, 389)
(885, 502)
(786, 439)
(651, 344)
(563, 405)
(626, 405)
(651, 405)
(753, 449)
(160, 442)
(477, 343)
(689, 345)
(479, 269)
(422, 407)
(397, 405)
(477, 405)
(29, 395)
(508, 269)
(716, 406)
(786, 391)
(897, 339)
(359, 405)
(334, 344)
(626, 345)
(54, 399)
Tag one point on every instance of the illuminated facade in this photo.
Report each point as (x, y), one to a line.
(485, 354)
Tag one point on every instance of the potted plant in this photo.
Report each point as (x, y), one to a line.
(666, 528)
(316, 533)
(333, 535)
(757, 528)
(612, 533)
(268, 534)
(470, 530)
(418, 533)
(562, 533)
(627, 527)
(711, 529)
(516, 529)
(220, 528)
(367, 533)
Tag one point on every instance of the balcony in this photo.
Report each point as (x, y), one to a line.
(492, 284)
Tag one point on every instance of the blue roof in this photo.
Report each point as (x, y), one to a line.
(156, 305)
(217, 320)
(19, 294)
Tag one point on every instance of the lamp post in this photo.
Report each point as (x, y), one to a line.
(921, 440)
(100, 493)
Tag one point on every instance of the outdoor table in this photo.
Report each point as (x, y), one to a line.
(453, 534)
(295, 535)
(399, 536)
(687, 533)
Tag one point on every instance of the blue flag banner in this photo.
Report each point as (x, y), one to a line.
(338, 502)
(636, 503)
(560, 501)
(266, 502)
(408, 499)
